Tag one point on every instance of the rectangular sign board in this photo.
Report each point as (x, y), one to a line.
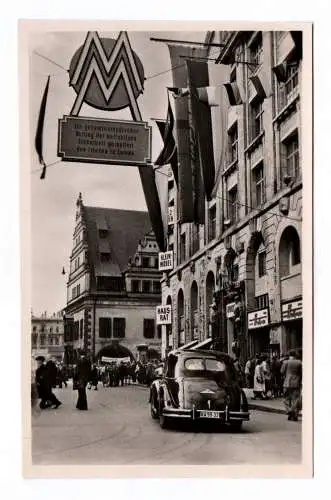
(106, 359)
(166, 260)
(292, 310)
(96, 140)
(163, 315)
(258, 319)
(230, 310)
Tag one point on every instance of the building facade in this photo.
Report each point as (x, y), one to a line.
(114, 284)
(47, 336)
(237, 277)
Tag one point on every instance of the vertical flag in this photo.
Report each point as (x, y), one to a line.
(199, 77)
(168, 154)
(257, 84)
(233, 93)
(184, 145)
(40, 130)
(281, 72)
(223, 137)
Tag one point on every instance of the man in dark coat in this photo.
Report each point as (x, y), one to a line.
(53, 372)
(44, 385)
(292, 373)
(81, 378)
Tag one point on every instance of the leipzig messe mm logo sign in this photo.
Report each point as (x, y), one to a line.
(105, 74)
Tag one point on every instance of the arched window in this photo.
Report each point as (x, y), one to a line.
(194, 311)
(181, 319)
(289, 251)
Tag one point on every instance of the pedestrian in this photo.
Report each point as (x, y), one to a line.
(44, 380)
(81, 378)
(267, 375)
(292, 373)
(275, 376)
(259, 382)
(248, 373)
(53, 372)
(121, 373)
(94, 377)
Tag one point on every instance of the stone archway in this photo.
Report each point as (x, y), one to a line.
(289, 251)
(194, 311)
(254, 244)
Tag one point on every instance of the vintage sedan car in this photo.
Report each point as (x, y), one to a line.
(198, 385)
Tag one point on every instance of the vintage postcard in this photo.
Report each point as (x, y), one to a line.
(166, 218)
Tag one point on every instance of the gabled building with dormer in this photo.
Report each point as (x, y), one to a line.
(114, 283)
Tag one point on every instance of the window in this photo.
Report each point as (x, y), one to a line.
(103, 233)
(262, 301)
(42, 340)
(212, 223)
(109, 284)
(119, 328)
(81, 328)
(50, 329)
(105, 328)
(156, 287)
(159, 331)
(145, 261)
(258, 193)
(232, 204)
(57, 329)
(149, 328)
(146, 286)
(233, 143)
(42, 328)
(195, 238)
(135, 286)
(182, 247)
(105, 256)
(262, 263)
(256, 118)
(256, 52)
(34, 340)
(289, 89)
(290, 151)
(56, 340)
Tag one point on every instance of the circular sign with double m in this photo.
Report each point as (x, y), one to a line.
(104, 72)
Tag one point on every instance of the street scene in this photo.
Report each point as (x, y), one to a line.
(167, 296)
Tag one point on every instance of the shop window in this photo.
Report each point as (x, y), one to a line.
(262, 263)
(105, 328)
(135, 286)
(258, 188)
(212, 223)
(149, 328)
(119, 328)
(146, 286)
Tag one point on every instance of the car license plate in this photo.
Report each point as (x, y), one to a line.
(209, 414)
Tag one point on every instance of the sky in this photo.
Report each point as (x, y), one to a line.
(53, 199)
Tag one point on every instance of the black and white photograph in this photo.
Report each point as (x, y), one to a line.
(167, 276)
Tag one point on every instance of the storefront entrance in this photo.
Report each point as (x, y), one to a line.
(293, 334)
(260, 341)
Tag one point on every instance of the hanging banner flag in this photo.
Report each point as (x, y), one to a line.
(233, 93)
(166, 261)
(163, 315)
(171, 215)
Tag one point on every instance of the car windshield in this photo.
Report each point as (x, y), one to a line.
(204, 364)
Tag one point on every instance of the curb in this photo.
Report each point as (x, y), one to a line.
(253, 406)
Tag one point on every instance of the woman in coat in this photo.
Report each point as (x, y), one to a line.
(81, 378)
(259, 381)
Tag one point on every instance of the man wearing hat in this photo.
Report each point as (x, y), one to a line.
(44, 386)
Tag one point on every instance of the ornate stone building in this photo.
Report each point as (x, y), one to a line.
(114, 284)
(47, 334)
(237, 277)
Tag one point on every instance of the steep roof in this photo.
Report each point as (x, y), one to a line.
(124, 230)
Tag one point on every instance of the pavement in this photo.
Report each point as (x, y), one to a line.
(275, 405)
(118, 430)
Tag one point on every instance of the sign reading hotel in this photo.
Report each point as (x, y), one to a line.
(258, 319)
(108, 75)
(292, 310)
(166, 261)
(96, 140)
(163, 315)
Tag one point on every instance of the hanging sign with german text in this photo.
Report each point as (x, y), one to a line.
(163, 315)
(166, 261)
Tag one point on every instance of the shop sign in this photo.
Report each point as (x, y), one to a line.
(230, 310)
(171, 215)
(112, 142)
(106, 359)
(163, 315)
(258, 319)
(166, 261)
(292, 310)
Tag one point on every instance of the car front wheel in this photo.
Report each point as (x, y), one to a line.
(164, 422)
(153, 407)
